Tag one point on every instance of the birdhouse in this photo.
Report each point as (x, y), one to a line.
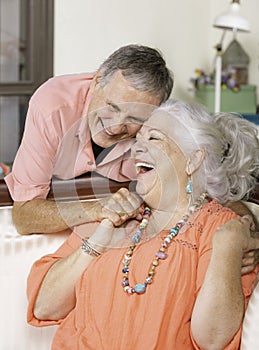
(237, 59)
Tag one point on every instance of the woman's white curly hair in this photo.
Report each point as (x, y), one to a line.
(231, 145)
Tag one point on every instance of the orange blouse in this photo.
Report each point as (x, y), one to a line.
(107, 318)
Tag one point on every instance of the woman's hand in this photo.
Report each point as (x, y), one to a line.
(239, 232)
(119, 207)
(106, 236)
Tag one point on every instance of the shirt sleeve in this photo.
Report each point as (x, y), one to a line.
(38, 272)
(33, 166)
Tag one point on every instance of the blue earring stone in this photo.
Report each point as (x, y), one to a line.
(189, 187)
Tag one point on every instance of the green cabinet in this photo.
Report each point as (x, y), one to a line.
(243, 101)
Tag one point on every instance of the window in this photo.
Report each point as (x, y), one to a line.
(26, 61)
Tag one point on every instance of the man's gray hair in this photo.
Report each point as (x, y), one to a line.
(144, 67)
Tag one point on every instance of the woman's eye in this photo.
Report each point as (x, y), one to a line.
(153, 138)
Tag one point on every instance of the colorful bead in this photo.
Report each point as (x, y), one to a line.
(125, 282)
(155, 262)
(161, 255)
(126, 257)
(164, 244)
(149, 279)
(125, 262)
(140, 288)
(136, 237)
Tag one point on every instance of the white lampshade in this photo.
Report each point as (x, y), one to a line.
(232, 19)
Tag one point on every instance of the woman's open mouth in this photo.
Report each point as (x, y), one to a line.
(143, 167)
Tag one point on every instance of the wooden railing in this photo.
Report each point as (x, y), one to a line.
(84, 187)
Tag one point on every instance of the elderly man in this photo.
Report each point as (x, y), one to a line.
(82, 123)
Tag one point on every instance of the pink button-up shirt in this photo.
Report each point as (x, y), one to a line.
(57, 140)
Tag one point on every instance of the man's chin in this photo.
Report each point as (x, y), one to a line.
(103, 141)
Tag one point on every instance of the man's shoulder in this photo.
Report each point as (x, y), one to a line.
(66, 80)
(63, 90)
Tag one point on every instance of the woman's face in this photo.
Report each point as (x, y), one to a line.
(159, 161)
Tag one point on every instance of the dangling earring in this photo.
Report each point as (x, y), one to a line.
(188, 189)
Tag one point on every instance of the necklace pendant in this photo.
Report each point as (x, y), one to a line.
(140, 288)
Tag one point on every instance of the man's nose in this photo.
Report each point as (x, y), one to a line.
(116, 129)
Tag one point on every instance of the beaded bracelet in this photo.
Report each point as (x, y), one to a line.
(88, 249)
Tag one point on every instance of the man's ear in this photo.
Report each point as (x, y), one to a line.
(194, 161)
(96, 79)
(94, 87)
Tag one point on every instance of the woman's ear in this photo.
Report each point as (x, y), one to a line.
(194, 161)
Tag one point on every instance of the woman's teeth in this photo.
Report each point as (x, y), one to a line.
(143, 167)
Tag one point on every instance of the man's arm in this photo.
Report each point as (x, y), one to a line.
(240, 209)
(47, 216)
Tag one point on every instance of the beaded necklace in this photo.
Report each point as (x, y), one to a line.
(140, 288)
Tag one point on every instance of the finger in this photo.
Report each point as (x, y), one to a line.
(246, 269)
(130, 202)
(106, 223)
(249, 254)
(247, 220)
(248, 262)
(253, 243)
(122, 202)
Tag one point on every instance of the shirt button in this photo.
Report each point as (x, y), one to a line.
(90, 162)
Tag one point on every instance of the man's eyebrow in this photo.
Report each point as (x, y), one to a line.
(116, 107)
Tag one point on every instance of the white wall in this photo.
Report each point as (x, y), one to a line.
(87, 31)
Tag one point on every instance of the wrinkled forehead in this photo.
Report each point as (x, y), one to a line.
(173, 127)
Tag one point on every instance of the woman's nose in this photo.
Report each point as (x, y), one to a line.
(138, 147)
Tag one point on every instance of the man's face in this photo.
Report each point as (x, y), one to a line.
(117, 111)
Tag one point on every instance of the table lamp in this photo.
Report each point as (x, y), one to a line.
(230, 20)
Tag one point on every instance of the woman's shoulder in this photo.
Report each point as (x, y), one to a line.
(214, 208)
(214, 214)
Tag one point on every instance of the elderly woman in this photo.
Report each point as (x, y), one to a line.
(172, 281)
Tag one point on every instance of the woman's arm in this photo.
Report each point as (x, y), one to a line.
(219, 307)
(56, 296)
